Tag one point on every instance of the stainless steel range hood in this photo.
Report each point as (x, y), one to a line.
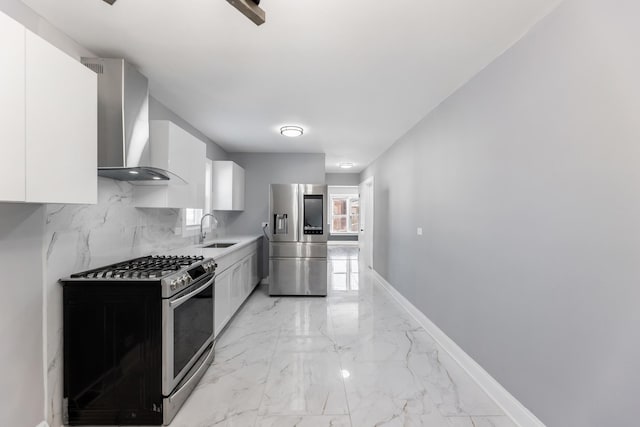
(123, 122)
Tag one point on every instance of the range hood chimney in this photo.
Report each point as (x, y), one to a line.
(123, 122)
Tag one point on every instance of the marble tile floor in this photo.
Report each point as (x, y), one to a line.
(352, 359)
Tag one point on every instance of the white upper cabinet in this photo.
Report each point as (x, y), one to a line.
(227, 186)
(12, 142)
(174, 149)
(48, 138)
(61, 126)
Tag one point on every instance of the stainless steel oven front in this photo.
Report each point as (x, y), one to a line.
(187, 330)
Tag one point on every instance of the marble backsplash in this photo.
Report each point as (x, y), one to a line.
(80, 237)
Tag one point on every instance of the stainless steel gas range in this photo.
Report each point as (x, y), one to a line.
(138, 336)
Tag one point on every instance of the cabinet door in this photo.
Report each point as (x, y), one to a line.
(254, 270)
(227, 185)
(246, 277)
(236, 287)
(12, 143)
(238, 188)
(222, 311)
(61, 126)
(178, 151)
(187, 157)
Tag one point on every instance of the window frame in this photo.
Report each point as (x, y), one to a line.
(349, 198)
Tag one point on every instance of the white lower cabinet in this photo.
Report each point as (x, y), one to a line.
(233, 287)
(237, 288)
(245, 276)
(222, 312)
(253, 272)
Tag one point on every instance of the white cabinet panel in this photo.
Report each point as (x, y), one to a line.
(253, 275)
(235, 283)
(12, 104)
(237, 289)
(61, 126)
(246, 277)
(173, 148)
(237, 202)
(222, 312)
(228, 184)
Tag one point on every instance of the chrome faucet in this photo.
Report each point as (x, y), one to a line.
(203, 234)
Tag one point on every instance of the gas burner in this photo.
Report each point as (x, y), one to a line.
(149, 267)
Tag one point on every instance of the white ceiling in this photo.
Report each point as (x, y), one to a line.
(355, 74)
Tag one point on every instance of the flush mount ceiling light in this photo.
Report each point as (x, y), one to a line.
(345, 165)
(291, 131)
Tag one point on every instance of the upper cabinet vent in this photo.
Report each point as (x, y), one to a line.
(97, 68)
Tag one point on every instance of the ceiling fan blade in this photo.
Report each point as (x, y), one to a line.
(111, 2)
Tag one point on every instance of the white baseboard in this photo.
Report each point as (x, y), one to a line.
(509, 404)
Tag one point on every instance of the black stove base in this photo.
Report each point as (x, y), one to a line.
(112, 355)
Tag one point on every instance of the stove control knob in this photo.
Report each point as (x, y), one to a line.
(187, 280)
(173, 286)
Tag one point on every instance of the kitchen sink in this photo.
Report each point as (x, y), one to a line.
(219, 245)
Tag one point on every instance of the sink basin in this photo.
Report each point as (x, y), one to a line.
(219, 245)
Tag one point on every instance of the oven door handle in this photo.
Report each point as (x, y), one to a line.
(183, 298)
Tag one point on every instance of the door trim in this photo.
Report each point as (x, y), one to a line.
(366, 234)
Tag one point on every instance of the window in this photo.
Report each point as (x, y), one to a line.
(192, 216)
(345, 214)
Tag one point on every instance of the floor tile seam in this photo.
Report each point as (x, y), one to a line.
(439, 348)
(403, 360)
(266, 381)
(421, 381)
(291, 414)
(335, 346)
(344, 387)
(303, 414)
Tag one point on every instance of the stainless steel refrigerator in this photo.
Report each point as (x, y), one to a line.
(298, 244)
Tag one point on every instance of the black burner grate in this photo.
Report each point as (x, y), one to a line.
(149, 267)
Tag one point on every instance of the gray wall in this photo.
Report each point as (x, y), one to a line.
(262, 169)
(158, 111)
(527, 185)
(21, 363)
(342, 179)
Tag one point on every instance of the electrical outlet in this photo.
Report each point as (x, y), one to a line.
(419, 231)
(265, 224)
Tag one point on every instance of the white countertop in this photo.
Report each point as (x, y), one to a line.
(215, 253)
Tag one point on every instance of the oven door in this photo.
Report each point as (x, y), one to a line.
(187, 330)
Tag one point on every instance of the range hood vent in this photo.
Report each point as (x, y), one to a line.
(123, 123)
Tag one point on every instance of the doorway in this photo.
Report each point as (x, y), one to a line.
(365, 235)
